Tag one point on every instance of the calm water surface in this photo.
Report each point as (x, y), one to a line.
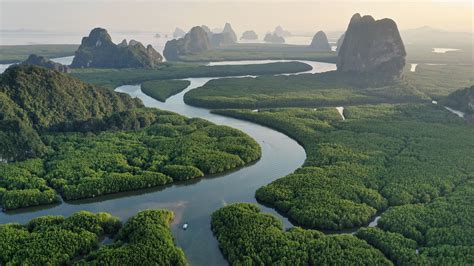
(194, 201)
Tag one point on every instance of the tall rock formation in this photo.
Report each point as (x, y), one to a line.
(226, 37)
(281, 32)
(44, 62)
(98, 50)
(373, 47)
(273, 38)
(178, 33)
(208, 31)
(339, 42)
(228, 29)
(320, 42)
(196, 41)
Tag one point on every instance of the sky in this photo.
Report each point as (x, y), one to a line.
(259, 15)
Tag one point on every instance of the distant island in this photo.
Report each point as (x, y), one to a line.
(249, 35)
(44, 62)
(372, 47)
(196, 41)
(98, 50)
(281, 32)
(274, 38)
(320, 42)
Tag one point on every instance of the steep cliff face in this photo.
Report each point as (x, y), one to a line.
(195, 41)
(226, 37)
(461, 100)
(320, 42)
(339, 42)
(98, 50)
(372, 46)
(44, 62)
(228, 30)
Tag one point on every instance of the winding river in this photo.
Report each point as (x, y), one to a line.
(194, 201)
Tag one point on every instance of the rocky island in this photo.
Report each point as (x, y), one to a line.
(339, 42)
(249, 35)
(274, 38)
(373, 47)
(226, 37)
(195, 41)
(320, 42)
(98, 50)
(45, 62)
(178, 33)
(281, 32)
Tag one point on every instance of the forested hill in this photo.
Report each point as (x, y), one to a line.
(462, 100)
(34, 98)
(50, 98)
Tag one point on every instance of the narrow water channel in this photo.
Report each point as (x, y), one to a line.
(194, 201)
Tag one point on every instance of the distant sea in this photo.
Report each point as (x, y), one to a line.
(24, 37)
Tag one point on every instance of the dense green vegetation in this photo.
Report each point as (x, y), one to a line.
(33, 99)
(248, 237)
(145, 239)
(437, 81)
(18, 53)
(129, 150)
(115, 77)
(169, 148)
(50, 98)
(54, 240)
(381, 155)
(261, 52)
(90, 141)
(442, 230)
(307, 90)
(163, 89)
(21, 185)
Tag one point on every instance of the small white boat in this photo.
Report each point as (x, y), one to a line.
(185, 226)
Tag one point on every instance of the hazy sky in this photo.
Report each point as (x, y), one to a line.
(259, 15)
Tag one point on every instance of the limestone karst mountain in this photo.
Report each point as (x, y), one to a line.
(195, 41)
(339, 42)
(320, 42)
(273, 38)
(226, 37)
(249, 35)
(45, 62)
(281, 32)
(372, 46)
(98, 50)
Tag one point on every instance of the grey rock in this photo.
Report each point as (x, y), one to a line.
(196, 41)
(373, 47)
(339, 42)
(274, 38)
(249, 35)
(281, 32)
(46, 63)
(98, 50)
(320, 42)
